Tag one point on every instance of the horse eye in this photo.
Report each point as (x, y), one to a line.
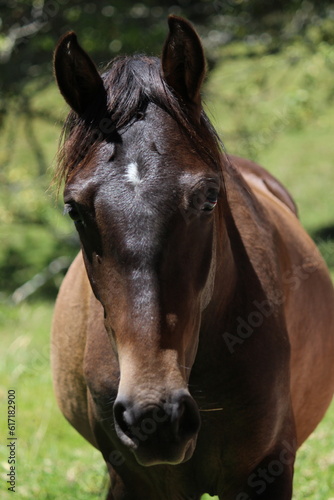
(210, 202)
(72, 211)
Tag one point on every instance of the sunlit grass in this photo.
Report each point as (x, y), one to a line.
(53, 461)
(279, 110)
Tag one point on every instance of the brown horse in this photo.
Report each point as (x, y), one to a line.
(193, 336)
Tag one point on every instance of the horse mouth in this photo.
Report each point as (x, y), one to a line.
(160, 455)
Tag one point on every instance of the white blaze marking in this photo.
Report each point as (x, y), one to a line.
(132, 174)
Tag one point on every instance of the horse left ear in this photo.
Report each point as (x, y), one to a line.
(183, 61)
(78, 79)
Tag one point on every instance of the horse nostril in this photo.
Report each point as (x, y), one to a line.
(185, 417)
(122, 417)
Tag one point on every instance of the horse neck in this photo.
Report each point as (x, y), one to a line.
(223, 273)
(216, 313)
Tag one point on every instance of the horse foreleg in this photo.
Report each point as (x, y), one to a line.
(272, 479)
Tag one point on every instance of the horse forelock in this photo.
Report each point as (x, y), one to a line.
(130, 84)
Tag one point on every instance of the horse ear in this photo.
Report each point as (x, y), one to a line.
(183, 61)
(76, 74)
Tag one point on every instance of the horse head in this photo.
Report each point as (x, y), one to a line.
(142, 180)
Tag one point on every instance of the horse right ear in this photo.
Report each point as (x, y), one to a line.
(78, 79)
(183, 62)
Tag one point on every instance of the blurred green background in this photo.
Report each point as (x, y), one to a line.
(270, 94)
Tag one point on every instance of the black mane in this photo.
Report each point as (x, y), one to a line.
(130, 83)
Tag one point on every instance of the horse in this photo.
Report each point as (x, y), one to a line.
(193, 335)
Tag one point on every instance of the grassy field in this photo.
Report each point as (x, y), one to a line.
(53, 461)
(277, 109)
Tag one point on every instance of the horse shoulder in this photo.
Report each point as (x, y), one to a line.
(307, 296)
(264, 181)
(68, 342)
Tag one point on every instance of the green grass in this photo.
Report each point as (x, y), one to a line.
(279, 110)
(54, 462)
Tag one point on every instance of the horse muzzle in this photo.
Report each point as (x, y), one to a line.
(158, 433)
